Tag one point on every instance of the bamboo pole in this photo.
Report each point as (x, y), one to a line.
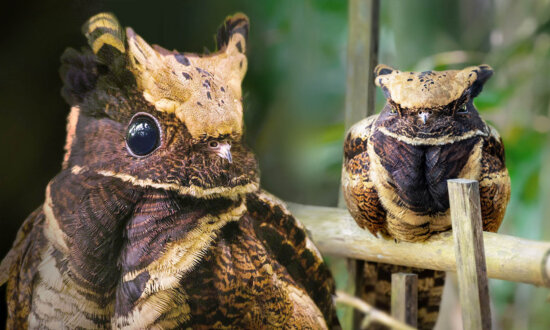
(508, 258)
(362, 57)
(470, 255)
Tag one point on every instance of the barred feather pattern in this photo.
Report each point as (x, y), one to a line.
(180, 237)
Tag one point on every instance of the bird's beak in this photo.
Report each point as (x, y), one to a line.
(224, 151)
(424, 117)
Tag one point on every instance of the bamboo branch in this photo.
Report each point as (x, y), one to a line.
(508, 258)
(371, 314)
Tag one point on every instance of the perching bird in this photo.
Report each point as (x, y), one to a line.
(397, 163)
(157, 219)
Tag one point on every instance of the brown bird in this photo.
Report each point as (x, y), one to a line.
(397, 163)
(157, 219)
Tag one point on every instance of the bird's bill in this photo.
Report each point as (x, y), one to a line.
(224, 151)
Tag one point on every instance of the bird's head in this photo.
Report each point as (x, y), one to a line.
(431, 104)
(159, 118)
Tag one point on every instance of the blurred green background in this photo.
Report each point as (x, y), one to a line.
(294, 94)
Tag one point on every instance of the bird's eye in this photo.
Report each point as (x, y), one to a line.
(213, 144)
(463, 108)
(393, 111)
(143, 135)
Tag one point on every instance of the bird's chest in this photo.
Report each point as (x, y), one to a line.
(415, 176)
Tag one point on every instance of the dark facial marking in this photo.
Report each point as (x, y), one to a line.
(384, 71)
(182, 59)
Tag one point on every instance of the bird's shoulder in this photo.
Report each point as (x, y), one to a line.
(493, 145)
(358, 135)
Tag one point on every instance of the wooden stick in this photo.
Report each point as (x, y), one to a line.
(508, 258)
(372, 314)
(470, 254)
(404, 297)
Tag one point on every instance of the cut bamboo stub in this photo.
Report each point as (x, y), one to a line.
(469, 251)
(404, 297)
(508, 258)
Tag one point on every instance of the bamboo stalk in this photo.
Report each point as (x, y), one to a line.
(469, 252)
(362, 57)
(508, 258)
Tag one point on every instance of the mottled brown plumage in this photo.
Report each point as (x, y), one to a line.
(397, 163)
(157, 218)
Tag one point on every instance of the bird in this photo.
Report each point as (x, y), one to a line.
(157, 218)
(397, 163)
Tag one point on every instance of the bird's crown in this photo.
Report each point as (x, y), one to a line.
(430, 89)
(202, 91)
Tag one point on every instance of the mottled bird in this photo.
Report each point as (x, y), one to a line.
(397, 163)
(156, 219)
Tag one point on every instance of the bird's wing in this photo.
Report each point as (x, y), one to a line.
(359, 191)
(287, 240)
(19, 246)
(19, 267)
(494, 182)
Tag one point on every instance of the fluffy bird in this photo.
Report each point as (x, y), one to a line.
(397, 163)
(156, 219)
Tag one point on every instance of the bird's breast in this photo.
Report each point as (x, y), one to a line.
(415, 176)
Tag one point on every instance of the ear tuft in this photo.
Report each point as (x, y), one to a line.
(484, 72)
(382, 69)
(233, 34)
(79, 73)
(106, 37)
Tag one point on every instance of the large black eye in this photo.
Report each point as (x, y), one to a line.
(143, 135)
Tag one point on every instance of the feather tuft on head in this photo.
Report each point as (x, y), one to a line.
(203, 91)
(430, 89)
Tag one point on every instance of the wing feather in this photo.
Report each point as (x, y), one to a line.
(19, 268)
(359, 191)
(286, 238)
(494, 182)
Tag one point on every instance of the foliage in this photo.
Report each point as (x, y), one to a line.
(294, 94)
(299, 139)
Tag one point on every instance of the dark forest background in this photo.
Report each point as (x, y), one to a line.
(294, 94)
